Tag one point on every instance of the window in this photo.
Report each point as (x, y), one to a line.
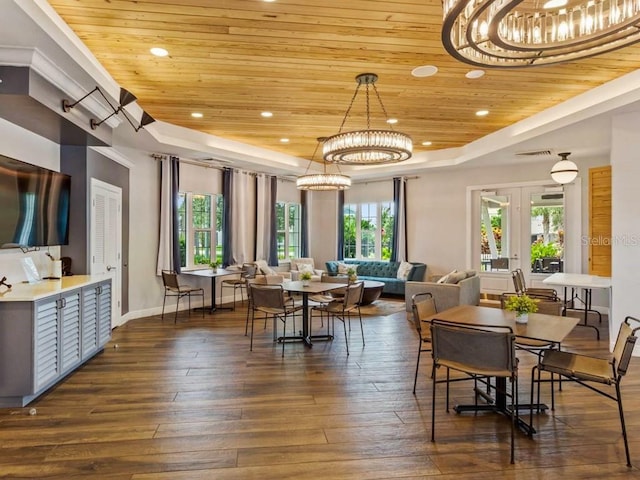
(368, 230)
(200, 228)
(288, 225)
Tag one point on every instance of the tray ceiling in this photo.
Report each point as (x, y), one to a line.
(231, 60)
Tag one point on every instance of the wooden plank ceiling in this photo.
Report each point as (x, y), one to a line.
(232, 59)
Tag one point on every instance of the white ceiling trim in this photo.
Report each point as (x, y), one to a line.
(600, 100)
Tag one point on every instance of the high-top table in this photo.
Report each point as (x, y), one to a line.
(310, 288)
(546, 328)
(213, 273)
(587, 283)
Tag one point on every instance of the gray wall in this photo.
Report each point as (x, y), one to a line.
(83, 164)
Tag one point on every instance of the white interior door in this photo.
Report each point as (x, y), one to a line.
(106, 240)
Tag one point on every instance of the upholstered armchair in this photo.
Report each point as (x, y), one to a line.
(265, 269)
(298, 265)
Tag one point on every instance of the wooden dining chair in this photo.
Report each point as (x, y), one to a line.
(594, 373)
(478, 352)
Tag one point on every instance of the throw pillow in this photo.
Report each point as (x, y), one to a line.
(403, 270)
(343, 267)
(264, 268)
(470, 273)
(296, 263)
(443, 279)
(456, 277)
(306, 267)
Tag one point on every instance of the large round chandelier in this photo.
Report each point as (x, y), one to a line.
(370, 146)
(322, 181)
(517, 33)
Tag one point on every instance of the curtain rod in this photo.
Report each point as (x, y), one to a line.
(365, 182)
(158, 156)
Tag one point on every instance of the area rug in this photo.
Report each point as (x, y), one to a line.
(382, 308)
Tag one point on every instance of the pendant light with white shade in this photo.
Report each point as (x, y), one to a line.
(565, 171)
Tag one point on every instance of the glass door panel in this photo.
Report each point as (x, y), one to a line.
(547, 216)
(498, 243)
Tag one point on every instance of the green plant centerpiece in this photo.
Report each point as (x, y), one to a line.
(214, 264)
(305, 277)
(352, 274)
(523, 305)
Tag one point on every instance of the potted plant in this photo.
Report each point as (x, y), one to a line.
(305, 277)
(351, 273)
(523, 305)
(213, 264)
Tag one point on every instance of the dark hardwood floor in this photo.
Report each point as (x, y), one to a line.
(189, 401)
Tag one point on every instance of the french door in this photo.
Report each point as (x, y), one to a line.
(517, 227)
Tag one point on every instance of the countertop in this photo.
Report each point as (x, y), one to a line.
(25, 292)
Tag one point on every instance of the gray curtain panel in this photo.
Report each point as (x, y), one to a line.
(340, 253)
(227, 227)
(399, 248)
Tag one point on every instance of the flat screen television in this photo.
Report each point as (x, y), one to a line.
(34, 205)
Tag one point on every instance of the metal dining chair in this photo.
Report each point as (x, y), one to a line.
(423, 305)
(172, 288)
(271, 301)
(247, 272)
(520, 286)
(343, 309)
(479, 352)
(590, 371)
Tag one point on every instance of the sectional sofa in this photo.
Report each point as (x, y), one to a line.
(381, 271)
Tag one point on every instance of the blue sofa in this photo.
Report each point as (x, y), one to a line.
(382, 272)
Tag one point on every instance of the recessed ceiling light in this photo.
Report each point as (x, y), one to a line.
(424, 71)
(474, 74)
(284, 140)
(268, 1)
(482, 113)
(197, 115)
(426, 144)
(267, 114)
(392, 121)
(554, 4)
(159, 52)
